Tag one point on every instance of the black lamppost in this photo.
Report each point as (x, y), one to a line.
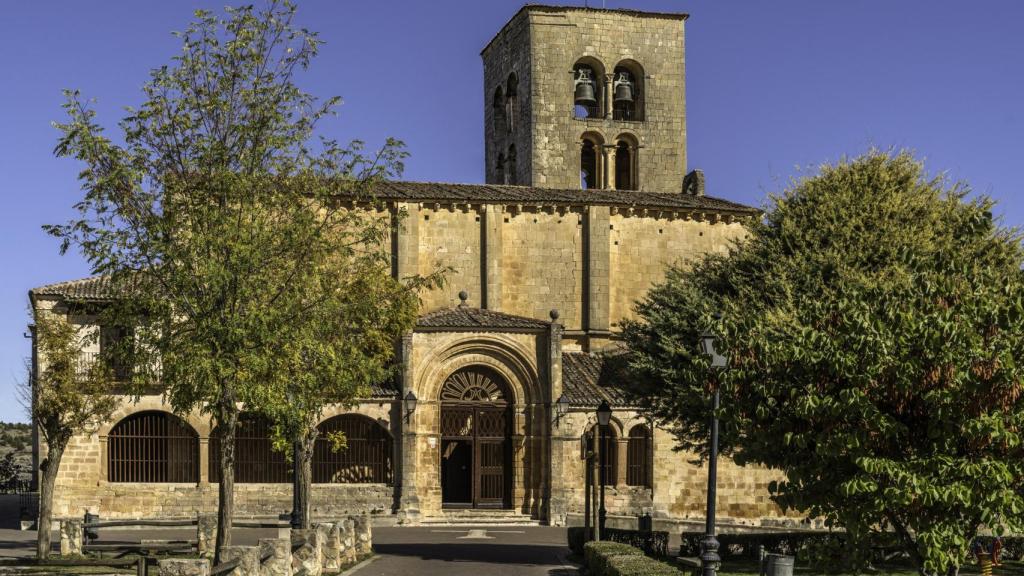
(604, 416)
(709, 558)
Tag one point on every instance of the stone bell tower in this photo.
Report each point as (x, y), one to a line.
(579, 97)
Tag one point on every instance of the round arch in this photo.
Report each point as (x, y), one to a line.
(152, 446)
(628, 91)
(627, 162)
(592, 70)
(364, 457)
(591, 160)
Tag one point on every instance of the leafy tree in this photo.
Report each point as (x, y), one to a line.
(218, 221)
(873, 320)
(9, 472)
(67, 398)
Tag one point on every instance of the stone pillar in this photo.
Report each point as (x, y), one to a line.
(206, 535)
(72, 534)
(491, 219)
(609, 95)
(248, 559)
(363, 534)
(405, 240)
(280, 562)
(609, 166)
(408, 498)
(204, 460)
(184, 567)
(104, 470)
(347, 534)
(556, 491)
(597, 292)
(306, 560)
(330, 548)
(621, 460)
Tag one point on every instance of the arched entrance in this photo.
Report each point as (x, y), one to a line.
(476, 454)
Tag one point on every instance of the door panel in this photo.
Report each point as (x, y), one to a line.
(457, 472)
(475, 456)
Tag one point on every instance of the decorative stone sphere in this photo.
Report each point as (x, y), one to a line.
(554, 314)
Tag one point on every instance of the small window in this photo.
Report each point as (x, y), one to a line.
(153, 446)
(498, 110)
(638, 462)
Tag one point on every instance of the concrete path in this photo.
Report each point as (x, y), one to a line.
(451, 551)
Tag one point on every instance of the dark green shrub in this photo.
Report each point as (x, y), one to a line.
(577, 536)
(638, 566)
(596, 555)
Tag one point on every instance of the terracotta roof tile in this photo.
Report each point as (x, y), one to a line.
(531, 196)
(462, 317)
(93, 288)
(588, 378)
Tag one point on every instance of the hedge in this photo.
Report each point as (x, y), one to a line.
(652, 543)
(617, 559)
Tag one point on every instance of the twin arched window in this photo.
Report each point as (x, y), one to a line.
(597, 160)
(638, 456)
(619, 96)
(637, 450)
(505, 111)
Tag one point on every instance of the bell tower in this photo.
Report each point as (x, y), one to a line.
(590, 98)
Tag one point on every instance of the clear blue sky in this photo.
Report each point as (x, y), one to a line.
(772, 85)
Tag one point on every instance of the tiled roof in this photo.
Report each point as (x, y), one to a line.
(587, 379)
(386, 390)
(461, 317)
(627, 11)
(532, 196)
(94, 288)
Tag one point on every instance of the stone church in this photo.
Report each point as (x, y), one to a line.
(587, 200)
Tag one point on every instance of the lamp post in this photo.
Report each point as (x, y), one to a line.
(709, 558)
(410, 401)
(604, 416)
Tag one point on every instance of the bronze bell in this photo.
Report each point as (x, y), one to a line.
(623, 87)
(584, 88)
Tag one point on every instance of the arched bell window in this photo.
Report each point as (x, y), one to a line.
(638, 456)
(626, 163)
(152, 446)
(498, 112)
(628, 91)
(591, 161)
(500, 173)
(588, 92)
(511, 102)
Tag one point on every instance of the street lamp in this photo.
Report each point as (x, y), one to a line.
(561, 407)
(410, 404)
(709, 558)
(604, 416)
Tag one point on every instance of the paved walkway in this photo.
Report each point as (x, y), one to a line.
(451, 551)
(445, 551)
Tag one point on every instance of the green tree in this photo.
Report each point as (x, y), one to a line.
(64, 397)
(873, 321)
(218, 221)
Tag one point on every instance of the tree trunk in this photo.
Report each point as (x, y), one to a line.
(49, 468)
(226, 489)
(304, 477)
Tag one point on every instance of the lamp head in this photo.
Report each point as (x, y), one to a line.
(410, 402)
(604, 413)
(562, 405)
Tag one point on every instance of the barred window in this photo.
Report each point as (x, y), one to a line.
(256, 462)
(638, 463)
(609, 454)
(366, 459)
(152, 446)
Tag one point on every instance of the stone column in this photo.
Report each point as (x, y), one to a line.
(206, 535)
(280, 562)
(609, 165)
(248, 559)
(405, 249)
(556, 490)
(491, 218)
(597, 291)
(104, 471)
(71, 537)
(184, 567)
(609, 106)
(408, 497)
(621, 460)
(204, 460)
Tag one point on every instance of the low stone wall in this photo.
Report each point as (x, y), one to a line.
(134, 500)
